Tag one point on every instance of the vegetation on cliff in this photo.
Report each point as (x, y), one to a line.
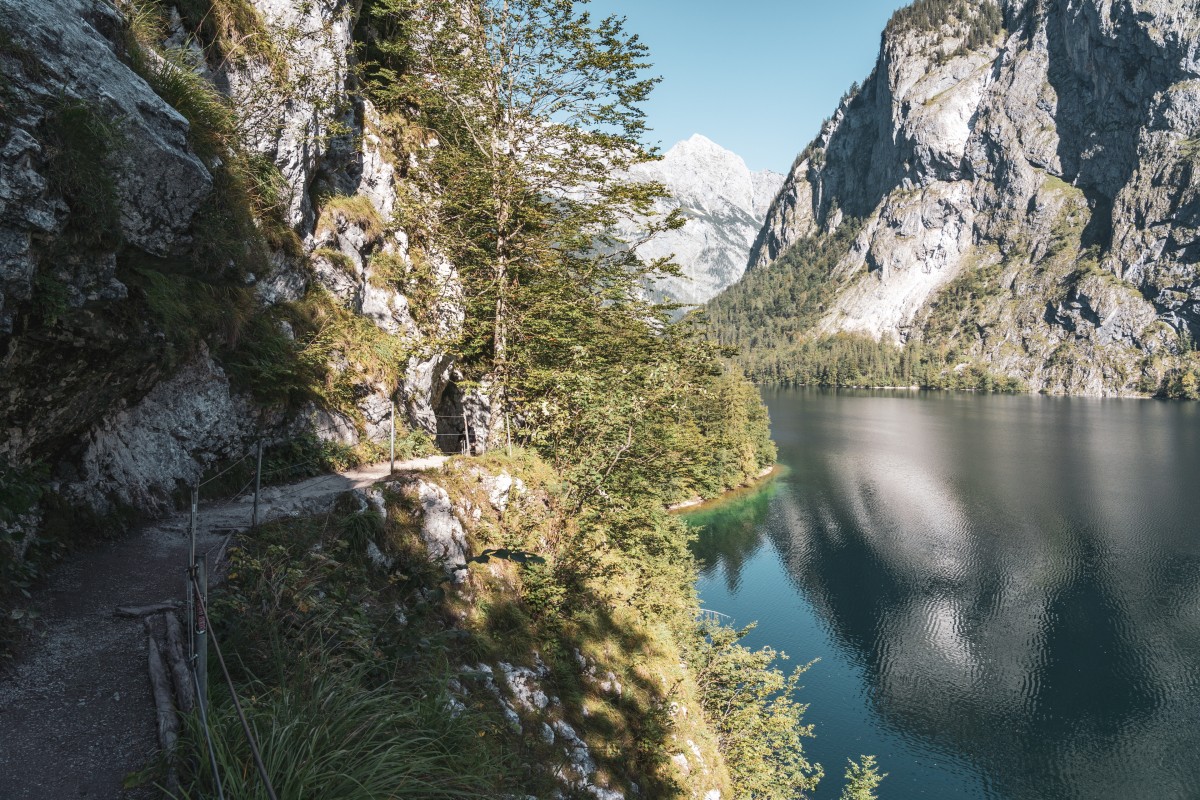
(363, 665)
(613, 413)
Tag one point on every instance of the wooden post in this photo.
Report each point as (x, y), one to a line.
(257, 486)
(508, 435)
(467, 430)
(393, 437)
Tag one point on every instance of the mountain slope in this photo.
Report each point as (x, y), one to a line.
(1021, 186)
(726, 205)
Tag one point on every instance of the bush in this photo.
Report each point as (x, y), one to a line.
(750, 704)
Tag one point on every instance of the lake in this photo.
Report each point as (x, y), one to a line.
(1003, 591)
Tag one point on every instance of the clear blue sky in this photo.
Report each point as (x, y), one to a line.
(755, 76)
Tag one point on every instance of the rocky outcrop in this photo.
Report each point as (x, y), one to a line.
(138, 457)
(90, 159)
(99, 181)
(1056, 151)
(725, 205)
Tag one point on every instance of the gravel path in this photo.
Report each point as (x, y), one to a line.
(76, 713)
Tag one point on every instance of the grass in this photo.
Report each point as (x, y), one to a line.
(1053, 183)
(333, 681)
(1190, 148)
(344, 734)
(357, 209)
(347, 701)
(78, 140)
(234, 29)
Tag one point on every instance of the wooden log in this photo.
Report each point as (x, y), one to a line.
(221, 553)
(156, 626)
(168, 721)
(185, 692)
(137, 612)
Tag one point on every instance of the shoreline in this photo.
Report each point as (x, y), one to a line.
(1026, 393)
(698, 503)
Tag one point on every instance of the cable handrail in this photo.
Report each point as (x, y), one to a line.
(212, 750)
(222, 472)
(237, 704)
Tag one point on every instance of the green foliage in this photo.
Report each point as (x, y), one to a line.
(767, 319)
(357, 209)
(855, 360)
(346, 700)
(977, 22)
(188, 308)
(862, 779)
(340, 734)
(1183, 381)
(78, 142)
(773, 307)
(542, 80)
(233, 29)
(751, 705)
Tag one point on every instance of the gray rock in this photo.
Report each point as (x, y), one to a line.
(725, 204)
(136, 456)
(444, 536)
(1077, 128)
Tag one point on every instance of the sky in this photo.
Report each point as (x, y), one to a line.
(755, 76)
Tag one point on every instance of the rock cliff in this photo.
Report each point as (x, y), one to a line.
(1022, 185)
(725, 204)
(185, 205)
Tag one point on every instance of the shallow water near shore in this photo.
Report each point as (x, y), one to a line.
(1003, 591)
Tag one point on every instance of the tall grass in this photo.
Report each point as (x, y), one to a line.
(346, 701)
(335, 736)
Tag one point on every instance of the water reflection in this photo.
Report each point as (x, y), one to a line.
(1016, 578)
(732, 533)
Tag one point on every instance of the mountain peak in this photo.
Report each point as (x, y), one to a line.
(726, 204)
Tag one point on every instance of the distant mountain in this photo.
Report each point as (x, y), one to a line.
(726, 205)
(1012, 196)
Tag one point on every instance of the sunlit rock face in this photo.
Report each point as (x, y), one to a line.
(92, 385)
(725, 204)
(1071, 137)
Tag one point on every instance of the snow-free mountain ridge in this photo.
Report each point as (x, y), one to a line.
(726, 204)
(1017, 186)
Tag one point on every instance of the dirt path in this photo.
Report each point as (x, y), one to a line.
(76, 713)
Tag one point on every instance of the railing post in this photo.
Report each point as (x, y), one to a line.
(200, 635)
(257, 486)
(393, 418)
(189, 574)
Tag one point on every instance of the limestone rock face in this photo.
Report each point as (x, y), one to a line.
(64, 76)
(93, 385)
(136, 456)
(725, 204)
(1071, 136)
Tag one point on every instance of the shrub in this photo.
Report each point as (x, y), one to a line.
(750, 704)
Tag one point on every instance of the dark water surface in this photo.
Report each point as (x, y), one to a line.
(1004, 592)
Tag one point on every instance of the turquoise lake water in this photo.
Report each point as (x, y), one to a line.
(1003, 591)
